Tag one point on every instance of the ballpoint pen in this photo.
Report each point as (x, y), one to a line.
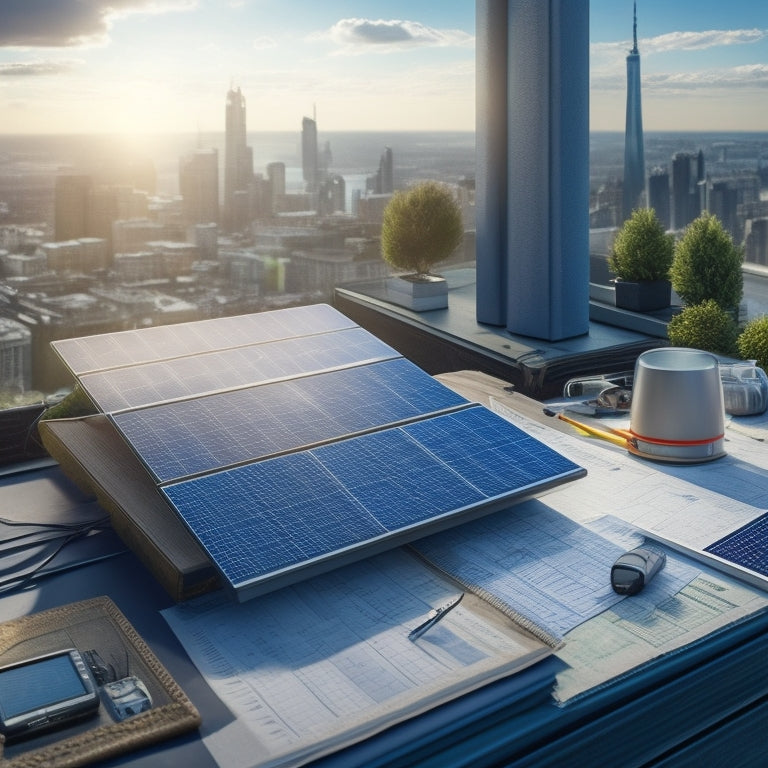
(433, 617)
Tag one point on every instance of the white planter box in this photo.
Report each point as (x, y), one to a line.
(426, 293)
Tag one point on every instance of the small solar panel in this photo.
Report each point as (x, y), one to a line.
(290, 442)
(115, 350)
(746, 547)
(350, 498)
(216, 371)
(193, 436)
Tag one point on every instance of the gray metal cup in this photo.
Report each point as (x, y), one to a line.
(677, 411)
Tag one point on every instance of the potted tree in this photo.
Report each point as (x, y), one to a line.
(421, 227)
(704, 326)
(707, 265)
(640, 258)
(753, 341)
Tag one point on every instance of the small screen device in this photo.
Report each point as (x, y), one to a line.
(633, 570)
(45, 692)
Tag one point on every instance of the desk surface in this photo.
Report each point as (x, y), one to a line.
(666, 711)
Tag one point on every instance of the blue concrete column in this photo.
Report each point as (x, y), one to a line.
(532, 135)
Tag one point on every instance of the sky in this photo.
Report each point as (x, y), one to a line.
(149, 66)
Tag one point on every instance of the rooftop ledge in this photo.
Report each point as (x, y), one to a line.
(446, 340)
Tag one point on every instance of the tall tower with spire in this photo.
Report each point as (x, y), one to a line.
(238, 158)
(634, 154)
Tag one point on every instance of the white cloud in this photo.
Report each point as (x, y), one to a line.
(697, 41)
(681, 41)
(264, 42)
(745, 76)
(36, 68)
(385, 36)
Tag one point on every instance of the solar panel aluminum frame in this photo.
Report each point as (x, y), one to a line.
(284, 577)
(243, 521)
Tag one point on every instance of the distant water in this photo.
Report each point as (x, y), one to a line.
(355, 155)
(449, 155)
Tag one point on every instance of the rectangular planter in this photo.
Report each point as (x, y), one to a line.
(418, 294)
(643, 296)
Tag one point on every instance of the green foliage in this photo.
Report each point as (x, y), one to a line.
(422, 226)
(753, 341)
(707, 265)
(704, 326)
(642, 249)
(75, 404)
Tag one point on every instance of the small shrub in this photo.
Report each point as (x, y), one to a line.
(753, 341)
(421, 227)
(642, 249)
(704, 326)
(75, 404)
(707, 265)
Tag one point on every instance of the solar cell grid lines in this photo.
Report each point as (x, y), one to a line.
(377, 490)
(114, 350)
(294, 441)
(220, 370)
(194, 436)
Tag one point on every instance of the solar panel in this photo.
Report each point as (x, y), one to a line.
(114, 350)
(290, 442)
(263, 522)
(216, 371)
(193, 436)
(746, 547)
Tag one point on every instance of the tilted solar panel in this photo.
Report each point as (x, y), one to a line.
(123, 348)
(192, 436)
(268, 523)
(220, 370)
(290, 442)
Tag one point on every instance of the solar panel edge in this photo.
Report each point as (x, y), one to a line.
(59, 345)
(267, 580)
(255, 587)
(121, 389)
(224, 447)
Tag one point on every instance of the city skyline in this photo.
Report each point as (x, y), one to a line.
(153, 66)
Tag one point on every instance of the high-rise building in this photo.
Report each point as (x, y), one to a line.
(71, 200)
(634, 154)
(658, 195)
(386, 177)
(199, 186)
(687, 172)
(309, 156)
(722, 201)
(276, 179)
(238, 158)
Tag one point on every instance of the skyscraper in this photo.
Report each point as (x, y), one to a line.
(687, 174)
(238, 157)
(309, 158)
(386, 178)
(199, 186)
(634, 154)
(658, 195)
(71, 199)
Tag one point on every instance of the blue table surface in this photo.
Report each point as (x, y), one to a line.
(631, 721)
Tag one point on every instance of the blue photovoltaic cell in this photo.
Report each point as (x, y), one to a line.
(142, 385)
(261, 518)
(193, 436)
(293, 439)
(746, 547)
(272, 515)
(495, 454)
(115, 350)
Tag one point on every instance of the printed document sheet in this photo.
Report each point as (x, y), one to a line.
(319, 665)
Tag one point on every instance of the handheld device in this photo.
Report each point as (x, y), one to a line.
(633, 570)
(45, 692)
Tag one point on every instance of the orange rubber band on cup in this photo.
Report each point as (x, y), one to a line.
(682, 443)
